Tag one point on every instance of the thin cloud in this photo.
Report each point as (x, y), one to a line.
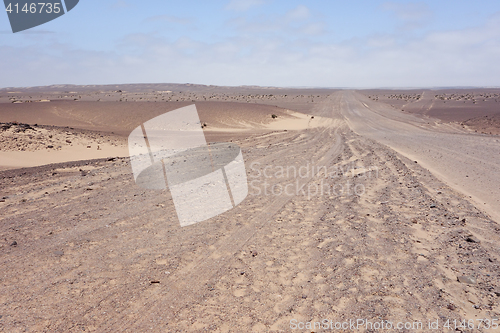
(243, 5)
(120, 4)
(299, 13)
(412, 15)
(169, 19)
(295, 22)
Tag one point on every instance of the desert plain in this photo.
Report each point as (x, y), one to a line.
(379, 206)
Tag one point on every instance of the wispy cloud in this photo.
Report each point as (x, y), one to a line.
(169, 19)
(243, 5)
(120, 4)
(295, 22)
(412, 14)
(300, 12)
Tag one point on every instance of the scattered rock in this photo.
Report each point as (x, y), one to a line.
(472, 239)
(14, 243)
(253, 253)
(50, 146)
(433, 206)
(467, 279)
(155, 281)
(451, 307)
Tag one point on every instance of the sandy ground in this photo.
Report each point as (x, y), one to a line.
(376, 237)
(22, 145)
(477, 110)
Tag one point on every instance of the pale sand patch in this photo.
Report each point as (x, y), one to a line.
(293, 121)
(23, 159)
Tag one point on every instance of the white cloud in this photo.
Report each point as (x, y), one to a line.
(243, 5)
(314, 29)
(296, 22)
(412, 14)
(412, 11)
(299, 13)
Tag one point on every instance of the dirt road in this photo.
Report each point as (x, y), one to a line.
(376, 237)
(468, 162)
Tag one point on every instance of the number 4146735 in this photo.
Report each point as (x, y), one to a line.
(34, 8)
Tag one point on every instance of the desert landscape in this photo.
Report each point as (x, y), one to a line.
(392, 217)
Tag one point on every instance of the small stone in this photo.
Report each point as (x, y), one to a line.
(304, 296)
(433, 206)
(155, 281)
(59, 253)
(472, 239)
(451, 307)
(467, 279)
(50, 146)
(14, 243)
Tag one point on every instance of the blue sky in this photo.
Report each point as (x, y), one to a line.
(260, 42)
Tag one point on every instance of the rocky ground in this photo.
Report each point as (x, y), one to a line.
(24, 137)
